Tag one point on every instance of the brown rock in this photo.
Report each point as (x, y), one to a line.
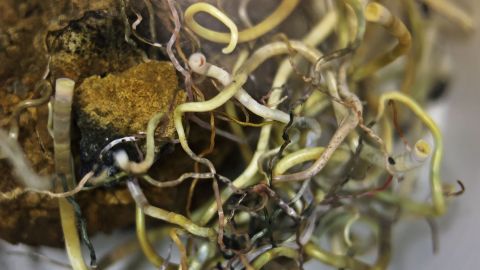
(121, 105)
(128, 100)
(90, 43)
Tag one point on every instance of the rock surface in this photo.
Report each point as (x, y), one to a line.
(89, 43)
(122, 104)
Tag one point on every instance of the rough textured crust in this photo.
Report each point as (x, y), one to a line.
(32, 218)
(128, 100)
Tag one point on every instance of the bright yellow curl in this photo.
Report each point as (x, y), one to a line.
(232, 38)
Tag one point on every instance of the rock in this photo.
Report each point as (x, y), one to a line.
(121, 105)
(92, 45)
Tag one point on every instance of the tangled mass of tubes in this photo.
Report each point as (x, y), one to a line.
(331, 152)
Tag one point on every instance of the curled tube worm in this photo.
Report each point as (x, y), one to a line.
(46, 90)
(199, 64)
(62, 107)
(379, 14)
(438, 197)
(121, 157)
(414, 158)
(273, 20)
(215, 12)
(314, 37)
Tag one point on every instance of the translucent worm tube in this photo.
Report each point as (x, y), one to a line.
(167, 216)
(199, 64)
(317, 35)
(275, 253)
(262, 54)
(121, 157)
(46, 90)
(142, 237)
(452, 12)
(249, 34)
(204, 7)
(63, 166)
(438, 197)
(14, 154)
(377, 13)
(412, 159)
(338, 137)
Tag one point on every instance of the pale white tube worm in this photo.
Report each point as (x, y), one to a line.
(62, 107)
(412, 159)
(12, 151)
(199, 64)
